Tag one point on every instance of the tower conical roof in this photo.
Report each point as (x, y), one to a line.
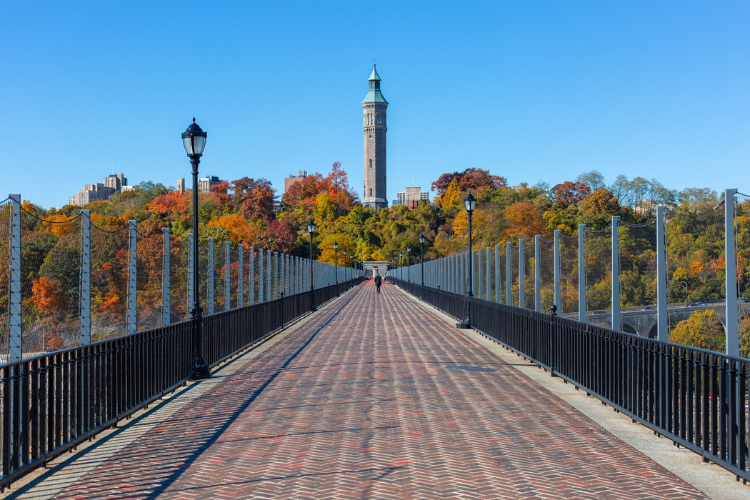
(374, 75)
(374, 95)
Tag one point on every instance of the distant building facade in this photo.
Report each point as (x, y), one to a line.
(204, 184)
(180, 185)
(411, 197)
(291, 180)
(114, 183)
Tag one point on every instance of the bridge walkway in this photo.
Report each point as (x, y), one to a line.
(372, 397)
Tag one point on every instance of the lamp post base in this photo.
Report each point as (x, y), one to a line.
(200, 369)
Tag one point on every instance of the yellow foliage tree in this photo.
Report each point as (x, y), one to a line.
(702, 329)
(240, 229)
(481, 226)
(452, 195)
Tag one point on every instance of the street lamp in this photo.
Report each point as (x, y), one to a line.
(469, 203)
(336, 265)
(421, 262)
(311, 230)
(194, 139)
(686, 289)
(400, 265)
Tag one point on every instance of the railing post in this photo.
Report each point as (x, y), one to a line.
(132, 276)
(662, 315)
(86, 279)
(227, 276)
(498, 281)
(478, 288)
(261, 277)
(582, 313)
(730, 276)
(508, 275)
(251, 277)
(537, 276)
(488, 275)
(15, 348)
(521, 276)
(241, 277)
(616, 303)
(274, 275)
(210, 277)
(269, 272)
(556, 256)
(190, 276)
(166, 281)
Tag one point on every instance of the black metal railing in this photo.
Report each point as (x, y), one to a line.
(695, 397)
(53, 402)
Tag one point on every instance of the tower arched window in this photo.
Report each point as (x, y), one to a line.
(370, 192)
(370, 162)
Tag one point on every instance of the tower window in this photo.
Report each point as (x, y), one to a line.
(370, 162)
(370, 190)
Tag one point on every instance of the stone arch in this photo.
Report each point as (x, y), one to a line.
(654, 332)
(629, 329)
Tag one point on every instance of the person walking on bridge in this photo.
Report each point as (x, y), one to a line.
(378, 282)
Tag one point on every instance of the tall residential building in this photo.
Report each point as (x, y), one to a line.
(374, 129)
(411, 196)
(100, 191)
(289, 181)
(204, 184)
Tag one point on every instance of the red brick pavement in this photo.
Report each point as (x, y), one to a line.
(362, 403)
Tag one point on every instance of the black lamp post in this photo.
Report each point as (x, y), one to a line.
(311, 230)
(194, 139)
(336, 265)
(469, 203)
(421, 262)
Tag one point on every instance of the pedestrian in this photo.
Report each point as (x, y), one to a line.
(378, 282)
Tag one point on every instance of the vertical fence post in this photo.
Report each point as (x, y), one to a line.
(662, 316)
(251, 277)
(479, 274)
(132, 276)
(582, 313)
(730, 276)
(166, 281)
(498, 281)
(488, 275)
(210, 278)
(537, 276)
(86, 279)
(190, 276)
(241, 277)
(521, 276)
(508, 275)
(227, 276)
(556, 257)
(261, 277)
(15, 349)
(616, 303)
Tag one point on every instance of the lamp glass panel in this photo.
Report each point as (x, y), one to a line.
(199, 143)
(188, 144)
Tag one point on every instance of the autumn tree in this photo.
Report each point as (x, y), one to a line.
(469, 179)
(523, 220)
(597, 208)
(569, 193)
(254, 198)
(702, 329)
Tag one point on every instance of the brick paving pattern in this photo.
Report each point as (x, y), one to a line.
(366, 401)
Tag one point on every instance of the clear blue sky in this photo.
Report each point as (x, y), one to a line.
(531, 90)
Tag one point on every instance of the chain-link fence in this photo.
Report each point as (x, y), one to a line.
(569, 275)
(109, 279)
(598, 261)
(695, 275)
(528, 267)
(150, 278)
(742, 251)
(637, 259)
(547, 273)
(5, 215)
(514, 275)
